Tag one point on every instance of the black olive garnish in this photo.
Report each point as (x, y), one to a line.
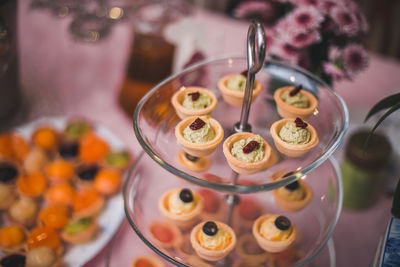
(8, 172)
(88, 173)
(69, 150)
(210, 228)
(13, 260)
(186, 195)
(282, 223)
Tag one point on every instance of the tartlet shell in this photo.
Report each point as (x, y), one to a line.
(291, 150)
(201, 165)
(235, 98)
(203, 149)
(272, 246)
(183, 112)
(212, 255)
(246, 167)
(293, 206)
(288, 111)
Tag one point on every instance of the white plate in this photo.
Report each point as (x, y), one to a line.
(113, 214)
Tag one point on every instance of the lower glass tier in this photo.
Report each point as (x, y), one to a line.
(314, 223)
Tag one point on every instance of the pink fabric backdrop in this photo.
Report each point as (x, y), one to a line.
(64, 77)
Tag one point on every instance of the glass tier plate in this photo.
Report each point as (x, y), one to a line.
(315, 223)
(155, 120)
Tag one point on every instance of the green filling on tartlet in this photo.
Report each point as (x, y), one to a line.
(118, 159)
(78, 226)
(294, 135)
(237, 83)
(77, 129)
(202, 102)
(254, 156)
(299, 100)
(202, 135)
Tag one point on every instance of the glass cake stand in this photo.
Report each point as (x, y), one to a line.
(315, 222)
(155, 120)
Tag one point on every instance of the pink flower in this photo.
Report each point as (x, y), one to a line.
(249, 9)
(355, 59)
(304, 39)
(304, 18)
(326, 5)
(346, 20)
(334, 53)
(308, 2)
(285, 51)
(333, 70)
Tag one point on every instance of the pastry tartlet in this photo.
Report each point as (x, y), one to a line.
(147, 260)
(193, 101)
(166, 234)
(212, 241)
(35, 160)
(293, 137)
(54, 216)
(196, 164)
(12, 238)
(250, 147)
(80, 230)
(292, 102)
(199, 136)
(42, 257)
(232, 88)
(43, 236)
(23, 211)
(88, 203)
(182, 206)
(293, 197)
(32, 185)
(274, 233)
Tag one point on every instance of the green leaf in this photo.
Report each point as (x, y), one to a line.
(383, 104)
(384, 116)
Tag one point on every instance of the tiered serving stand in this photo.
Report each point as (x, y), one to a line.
(158, 171)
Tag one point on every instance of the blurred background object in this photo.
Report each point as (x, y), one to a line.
(10, 93)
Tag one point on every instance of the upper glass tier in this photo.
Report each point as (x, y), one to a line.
(155, 119)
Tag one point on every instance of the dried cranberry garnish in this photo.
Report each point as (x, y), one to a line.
(244, 73)
(300, 123)
(251, 146)
(194, 95)
(197, 124)
(295, 90)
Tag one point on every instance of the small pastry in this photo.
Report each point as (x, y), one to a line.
(293, 101)
(212, 208)
(60, 171)
(12, 260)
(62, 194)
(232, 88)
(274, 233)
(35, 161)
(119, 160)
(147, 261)
(199, 136)
(7, 195)
(88, 203)
(46, 138)
(80, 231)
(212, 240)
(247, 153)
(43, 236)
(92, 148)
(107, 181)
(166, 234)
(86, 174)
(248, 249)
(69, 150)
(41, 257)
(182, 206)
(23, 211)
(12, 238)
(54, 216)
(193, 101)
(32, 185)
(293, 197)
(76, 129)
(293, 138)
(196, 164)
(13, 147)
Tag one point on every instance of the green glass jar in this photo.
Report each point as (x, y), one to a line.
(362, 169)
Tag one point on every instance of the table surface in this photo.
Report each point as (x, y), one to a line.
(63, 77)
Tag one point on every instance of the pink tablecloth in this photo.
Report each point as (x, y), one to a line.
(60, 76)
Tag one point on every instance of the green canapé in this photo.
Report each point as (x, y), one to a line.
(202, 135)
(294, 135)
(202, 102)
(78, 226)
(254, 156)
(299, 100)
